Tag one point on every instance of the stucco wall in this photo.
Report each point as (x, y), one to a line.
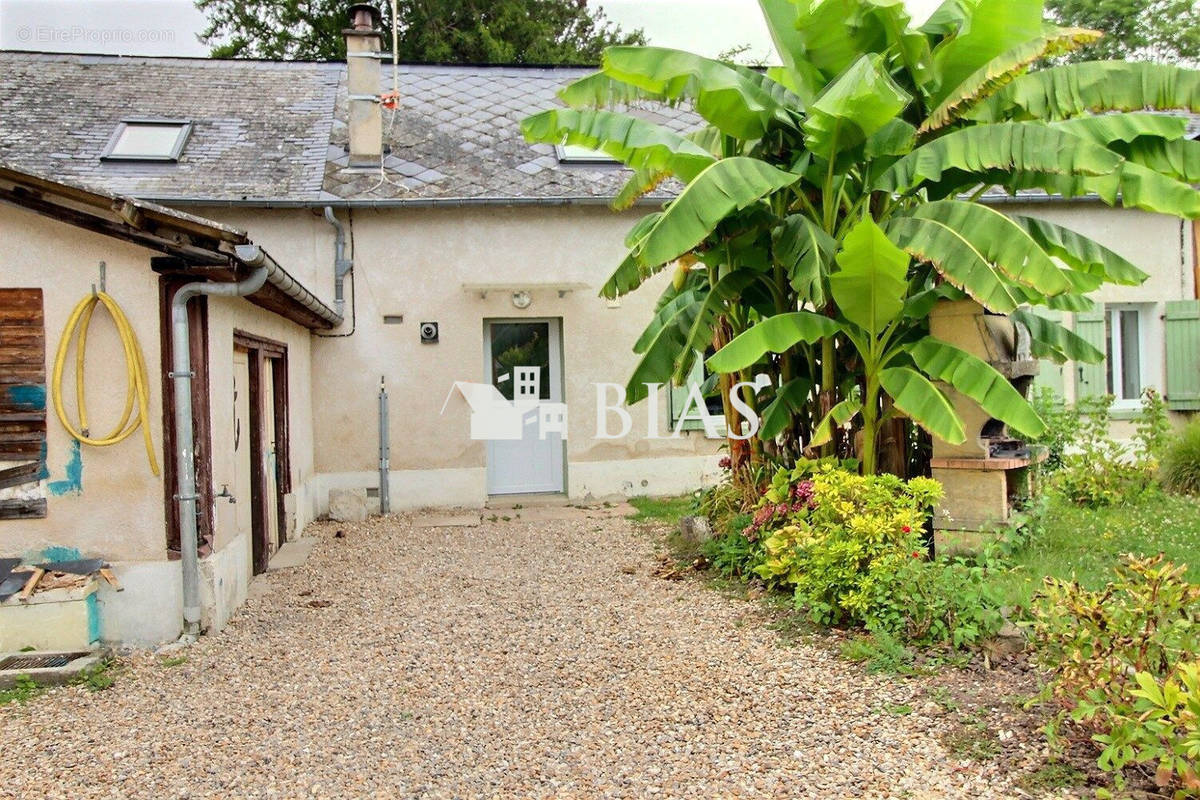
(414, 263)
(116, 512)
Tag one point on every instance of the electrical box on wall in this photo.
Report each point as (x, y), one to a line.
(429, 332)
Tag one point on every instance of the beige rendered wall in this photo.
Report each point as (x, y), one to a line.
(118, 514)
(414, 262)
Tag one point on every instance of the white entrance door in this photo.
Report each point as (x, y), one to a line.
(522, 357)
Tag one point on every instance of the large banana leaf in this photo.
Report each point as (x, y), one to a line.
(603, 91)
(870, 285)
(923, 403)
(662, 350)
(1094, 86)
(727, 290)
(1054, 341)
(1028, 147)
(790, 399)
(954, 258)
(665, 314)
(641, 145)
(993, 27)
(630, 273)
(780, 16)
(1130, 185)
(999, 240)
(1003, 68)
(948, 18)
(1080, 252)
(1108, 128)
(773, 335)
(728, 185)
(862, 100)
(838, 416)
(641, 182)
(804, 249)
(836, 32)
(979, 381)
(1178, 159)
(737, 103)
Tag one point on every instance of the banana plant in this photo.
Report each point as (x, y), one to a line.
(895, 132)
(874, 307)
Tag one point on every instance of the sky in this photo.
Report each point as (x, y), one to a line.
(169, 27)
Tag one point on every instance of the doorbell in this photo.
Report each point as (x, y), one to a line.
(429, 332)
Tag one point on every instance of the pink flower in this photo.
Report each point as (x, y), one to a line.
(725, 463)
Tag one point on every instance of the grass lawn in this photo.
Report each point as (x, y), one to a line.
(1086, 542)
(665, 510)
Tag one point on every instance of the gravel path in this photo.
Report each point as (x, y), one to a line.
(517, 659)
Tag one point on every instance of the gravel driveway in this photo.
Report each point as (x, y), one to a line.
(513, 659)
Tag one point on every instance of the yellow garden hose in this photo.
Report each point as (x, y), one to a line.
(137, 384)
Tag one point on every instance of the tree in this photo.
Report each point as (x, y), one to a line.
(441, 31)
(1142, 30)
(831, 202)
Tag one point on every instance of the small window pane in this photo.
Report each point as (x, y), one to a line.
(573, 153)
(1131, 357)
(147, 140)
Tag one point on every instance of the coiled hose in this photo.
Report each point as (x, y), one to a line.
(137, 384)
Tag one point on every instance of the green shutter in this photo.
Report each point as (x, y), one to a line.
(1183, 355)
(1050, 375)
(679, 395)
(1091, 380)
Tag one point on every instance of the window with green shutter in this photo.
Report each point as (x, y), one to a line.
(1183, 355)
(679, 398)
(1091, 380)
(1050, 374)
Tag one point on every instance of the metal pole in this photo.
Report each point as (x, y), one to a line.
(384, 449)
(185, 464)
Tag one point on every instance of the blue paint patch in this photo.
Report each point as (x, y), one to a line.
(73, 483)
(56, 553)
(28, 396)
(93, 619)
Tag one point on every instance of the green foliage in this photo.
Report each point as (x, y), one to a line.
(98, 677)
(1181, 461)
(935, 602)
(1122, 666)
(1063, 423)
(732, 554)
(1099, 471)
(23, 690)
(880, 652)
(831, 535)
(1157, 30)
(504, 32)
(661, 510)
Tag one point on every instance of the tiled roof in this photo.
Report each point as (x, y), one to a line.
(456, 134)
(260, 129)
(275, 131)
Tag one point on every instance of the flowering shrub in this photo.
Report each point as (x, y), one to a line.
(830, 534)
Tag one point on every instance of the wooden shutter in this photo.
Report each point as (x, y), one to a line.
(1091, 380)
(1183, 355)
(1050, 374)
(22, 402)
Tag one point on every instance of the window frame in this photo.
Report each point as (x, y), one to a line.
(181, 139)
(599, 159)
(1113, 342)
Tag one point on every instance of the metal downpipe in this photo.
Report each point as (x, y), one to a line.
(341, 264)
(185, 465)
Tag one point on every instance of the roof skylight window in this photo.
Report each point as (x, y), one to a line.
(574, 154)
(148, 140)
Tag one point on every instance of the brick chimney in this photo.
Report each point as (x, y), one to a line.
(363, 45)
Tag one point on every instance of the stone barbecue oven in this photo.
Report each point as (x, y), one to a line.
(986, 475)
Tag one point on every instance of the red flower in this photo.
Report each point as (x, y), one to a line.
(916, 554)
(906, 529)
(725, 463)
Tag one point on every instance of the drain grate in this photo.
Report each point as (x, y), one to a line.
(38, 662)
